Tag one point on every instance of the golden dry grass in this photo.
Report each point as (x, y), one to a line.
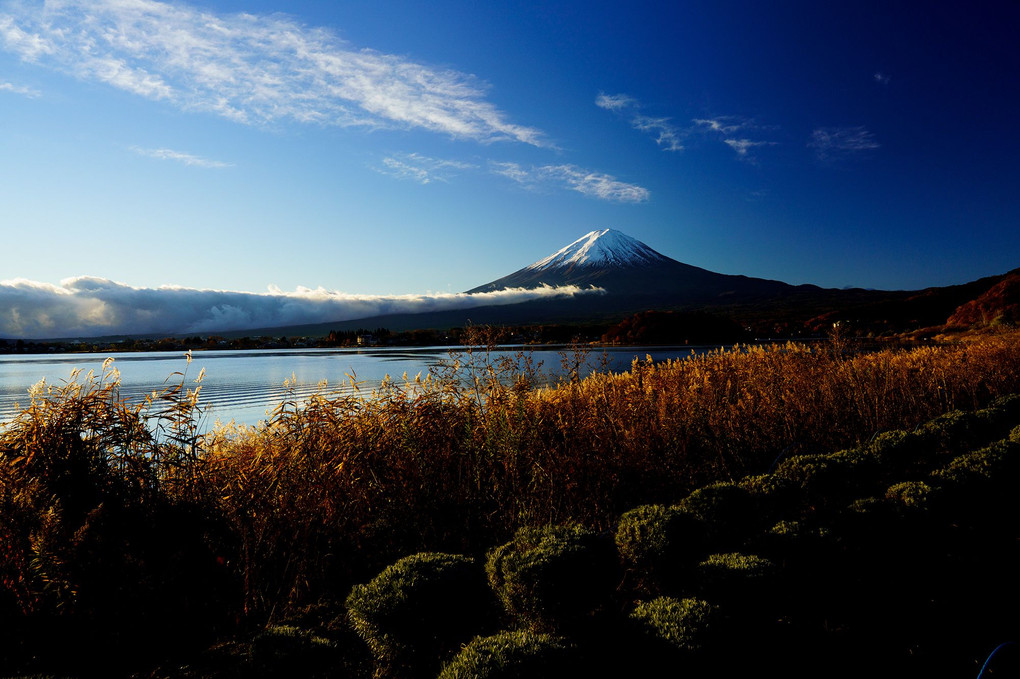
(334, 490)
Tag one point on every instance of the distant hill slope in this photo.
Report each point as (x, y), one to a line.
(999, 304)
(905, 311)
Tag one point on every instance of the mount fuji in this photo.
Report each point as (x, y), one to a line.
(634, 275)
(632, 278)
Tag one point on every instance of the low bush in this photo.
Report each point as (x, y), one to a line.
(553, 578)
(288, 651)
(1002, 414)
(829, 479)
(685, 624)
(912, 494)
(735, 566)
(981, 467)
(898, 452)
(736, 580)
(520, 654)
(954, 430)
(775, 497)
(419, 610)
(793, 536)
(656, 543)
(727, 509)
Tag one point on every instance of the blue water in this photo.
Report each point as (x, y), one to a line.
(244, 386)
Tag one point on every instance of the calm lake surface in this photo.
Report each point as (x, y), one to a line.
(244, 385)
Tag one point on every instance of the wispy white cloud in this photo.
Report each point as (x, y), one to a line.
(421, 169)
(733, 131)
(177, 156)
(89, 306)
(615, 102)
(574, 178)
(670, 137)
(742, 146)
(596, 184)
(882, 78)
(831, 143)
(30, 46)
(18, 89)
(514, 171)
(726, 125)
(250, 68)
(666, 134)
(425, 170)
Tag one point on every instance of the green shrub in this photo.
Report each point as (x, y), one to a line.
(520, 654)
(767, 485)
(1014, 435)
(980, 484)
(898, 450)
(913, 494)
(1009, 404)
(790, 529)
(288, 651)
(981, 467)
(870, 525)
(727, 509)
(952, 431)
(1004, 412)
(735, 578)
(832, 478)
(686, 624)
(653, 539)
(420, 609)
(868, 505)
(785, 532)
(736, 565)
(775, 496)
(554, 577)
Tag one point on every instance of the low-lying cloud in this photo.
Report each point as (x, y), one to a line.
(253, 69)
(88, 307)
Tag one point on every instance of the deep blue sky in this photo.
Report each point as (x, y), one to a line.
(388, 148)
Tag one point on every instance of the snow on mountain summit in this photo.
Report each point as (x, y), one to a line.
(607, 247)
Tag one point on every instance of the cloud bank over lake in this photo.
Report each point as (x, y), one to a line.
(87, 306)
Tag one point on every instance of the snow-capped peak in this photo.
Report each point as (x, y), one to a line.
(607, 247)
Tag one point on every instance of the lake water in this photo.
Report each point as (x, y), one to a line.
(244, 385)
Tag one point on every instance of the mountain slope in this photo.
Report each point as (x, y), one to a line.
(1000, 304)
(635, 275)
(607, 247)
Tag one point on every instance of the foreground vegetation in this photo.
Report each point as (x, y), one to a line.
(714, 523)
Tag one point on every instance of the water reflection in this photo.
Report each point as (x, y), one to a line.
(245, 385)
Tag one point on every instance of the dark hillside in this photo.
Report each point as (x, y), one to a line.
(1000, 304)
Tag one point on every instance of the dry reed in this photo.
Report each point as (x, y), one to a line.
(331, 491)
